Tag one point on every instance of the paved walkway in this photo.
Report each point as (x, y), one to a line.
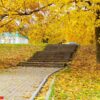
(19, 83)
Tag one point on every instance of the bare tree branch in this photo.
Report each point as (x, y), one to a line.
(3, 16)
(33, 11)
(20, 13)
(6, 23)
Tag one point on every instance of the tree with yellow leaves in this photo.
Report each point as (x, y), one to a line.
(52, 20)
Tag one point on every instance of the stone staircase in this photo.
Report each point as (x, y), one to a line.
(54, 55)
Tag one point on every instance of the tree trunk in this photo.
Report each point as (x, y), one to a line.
(97, 34)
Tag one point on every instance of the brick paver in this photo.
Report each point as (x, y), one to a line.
(19, 83)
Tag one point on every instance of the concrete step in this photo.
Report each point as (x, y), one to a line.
(42, 65)
(59, 47)
(45, 54)
(49, 60)
(52, 57)
(44, 62)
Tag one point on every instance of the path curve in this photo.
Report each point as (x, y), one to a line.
(20, 83)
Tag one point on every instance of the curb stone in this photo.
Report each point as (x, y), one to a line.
(42, 84)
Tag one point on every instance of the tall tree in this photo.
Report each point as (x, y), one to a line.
(58, 20)
(97, 32)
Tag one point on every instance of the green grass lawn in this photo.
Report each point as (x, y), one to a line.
(11, 55)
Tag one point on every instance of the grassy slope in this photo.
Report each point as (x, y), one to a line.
(81, 81)
(10, 55)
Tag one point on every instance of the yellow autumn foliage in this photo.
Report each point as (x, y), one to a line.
(56, 20)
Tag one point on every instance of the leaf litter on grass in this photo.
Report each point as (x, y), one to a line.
(81, 81)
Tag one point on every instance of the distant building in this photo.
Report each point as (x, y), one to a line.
(13, 38)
